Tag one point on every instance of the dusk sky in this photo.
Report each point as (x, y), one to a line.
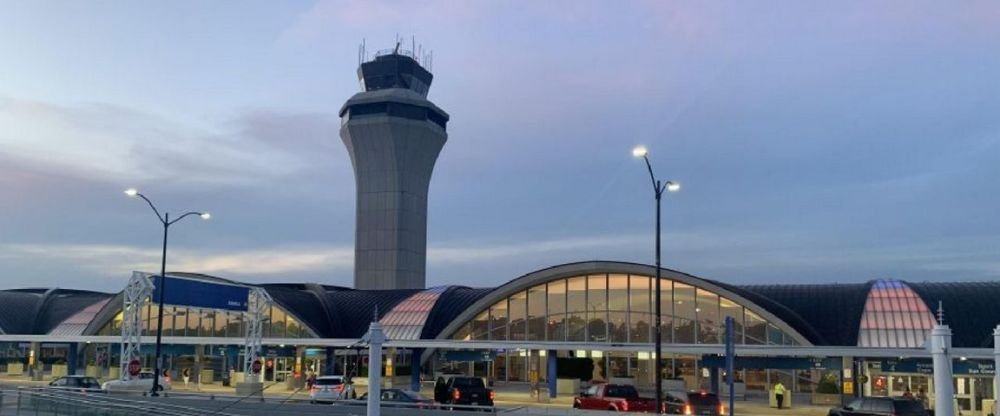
(816, 141)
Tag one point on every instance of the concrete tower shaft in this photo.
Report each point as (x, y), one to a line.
(394, 135)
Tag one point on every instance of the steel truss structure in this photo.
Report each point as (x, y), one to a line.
(136, 294)
(258, 305)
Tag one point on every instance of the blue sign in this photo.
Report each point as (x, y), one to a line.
(926, 366)
(467, 356)
(201, 294)
(774, 363)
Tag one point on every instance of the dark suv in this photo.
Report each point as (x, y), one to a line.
(881, 406)
(463, 391)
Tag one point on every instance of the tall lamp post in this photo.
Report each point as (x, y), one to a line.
(659, 188)
(167, 222)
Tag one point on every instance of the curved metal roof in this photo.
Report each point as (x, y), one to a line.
(970, 309)
(38, 311)
(828, 314)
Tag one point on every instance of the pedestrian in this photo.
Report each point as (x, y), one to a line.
(779, 394)
(908, 394)
(186, 374)
(922, 396)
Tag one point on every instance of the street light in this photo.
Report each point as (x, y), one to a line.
(165, 220)
(658, 189)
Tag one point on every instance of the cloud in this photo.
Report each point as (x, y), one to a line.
(102, 141)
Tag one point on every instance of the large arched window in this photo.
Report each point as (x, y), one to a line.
(894, 317)
(617, 308)
(183, 321)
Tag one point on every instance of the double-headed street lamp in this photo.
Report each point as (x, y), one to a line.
(167, 222)
(658, 189)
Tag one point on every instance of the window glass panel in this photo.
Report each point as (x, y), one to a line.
(730, 309)
(640, 316)
(597, 307)
(518, 311)
(220, 323)
(168, 321)
(774, 335)
(498, 321)
(708, 317)
(180, 321)
(234, 328)
(481, 326)
(464, 332)
(277, 323)
(207, 323)
(684, 313)
(293, 328)
(618, 326)
(576, 306)
(756, 330)
(557, 311)
(618, 292)
(536, 313)
(193, 321)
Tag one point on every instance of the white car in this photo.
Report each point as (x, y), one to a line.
(330, 388)
(144, 382)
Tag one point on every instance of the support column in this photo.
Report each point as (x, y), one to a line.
(996, 365)
(199, 356)
(34, 360)
(331, 361)
(944, 391)
(552, 373)
(375, 339)
(415, 355)
(713, 377)
(72, 357)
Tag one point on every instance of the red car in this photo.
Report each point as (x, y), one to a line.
(614, 397)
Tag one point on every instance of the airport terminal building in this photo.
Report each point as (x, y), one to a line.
(870, 335)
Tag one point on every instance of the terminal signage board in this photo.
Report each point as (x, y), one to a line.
(201, 294)
(466, 356)
(925, 366)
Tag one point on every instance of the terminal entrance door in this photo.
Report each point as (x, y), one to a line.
(970, 393)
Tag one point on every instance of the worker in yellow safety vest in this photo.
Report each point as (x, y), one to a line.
(779, 394)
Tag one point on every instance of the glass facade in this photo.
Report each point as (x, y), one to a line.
(894, 317)
(182, 321)
(617, 308)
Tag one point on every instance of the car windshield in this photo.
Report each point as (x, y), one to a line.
(626, 392)
(329, 381)
(473, 382)
(703, 399)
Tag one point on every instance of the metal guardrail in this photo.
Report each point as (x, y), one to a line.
(75, 402)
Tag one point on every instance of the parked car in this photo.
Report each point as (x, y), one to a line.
(463, 391)
(144, 382)
(881, 406)
(76, 383)
(328, 389)
(700, 403)
(674, 401)
(614, 397)
(403, 398)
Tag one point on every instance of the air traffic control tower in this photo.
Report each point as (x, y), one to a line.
(393, 134)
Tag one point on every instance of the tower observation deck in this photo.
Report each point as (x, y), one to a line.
(394, 135)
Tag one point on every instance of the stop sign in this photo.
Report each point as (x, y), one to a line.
(255, 367)
(134, 367)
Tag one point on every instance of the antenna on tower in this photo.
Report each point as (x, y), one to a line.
(940, 313)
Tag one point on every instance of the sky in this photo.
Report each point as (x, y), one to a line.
(815, 142)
